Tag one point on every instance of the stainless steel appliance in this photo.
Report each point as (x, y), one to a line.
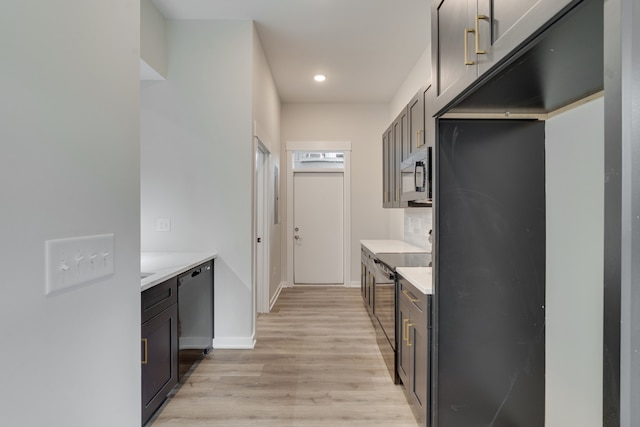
(385, 300)
(416, 174)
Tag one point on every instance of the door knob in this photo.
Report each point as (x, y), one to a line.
(296, 237)
(259, 239)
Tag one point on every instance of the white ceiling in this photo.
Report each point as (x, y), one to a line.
(366, 48)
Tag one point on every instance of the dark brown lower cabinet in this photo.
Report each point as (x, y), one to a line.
(159, 348)
(413, 347)
(366, 278)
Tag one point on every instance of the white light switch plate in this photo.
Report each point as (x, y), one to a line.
(77, 261)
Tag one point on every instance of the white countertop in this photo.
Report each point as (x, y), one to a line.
(391, 246)
(165, 265)
(420, 277)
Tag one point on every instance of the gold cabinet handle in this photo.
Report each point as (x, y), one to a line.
(466, 46)
(408, 295)
(409, 325)
(418, 139)
(477, 31)
(146, 351)
(404, 329)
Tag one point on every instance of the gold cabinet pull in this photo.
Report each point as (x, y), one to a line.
(146, 351)
(409, 325)
(466, 46)
(408, 295)
(477, 31)
(404, 329)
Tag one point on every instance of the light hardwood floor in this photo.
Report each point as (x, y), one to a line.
(316, 363)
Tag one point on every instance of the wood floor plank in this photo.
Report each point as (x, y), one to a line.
(316, 363)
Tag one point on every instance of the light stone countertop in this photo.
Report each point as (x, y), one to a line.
(420, 277)
(160, 266)
(391, 246)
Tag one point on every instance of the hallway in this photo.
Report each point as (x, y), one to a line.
(316, 363)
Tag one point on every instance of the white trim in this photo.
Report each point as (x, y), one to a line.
(318, 146)
(261, 293)
(276, 295)
(354, 285)
(234, 343)
(289, 224)
(347, 216)
(320, 170)
(344, 146)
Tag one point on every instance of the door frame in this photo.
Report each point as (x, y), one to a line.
(261, 222)
(341, 146)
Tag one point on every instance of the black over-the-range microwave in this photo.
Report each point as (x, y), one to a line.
(417, 178)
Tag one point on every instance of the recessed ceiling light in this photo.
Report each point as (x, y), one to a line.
(319, 77)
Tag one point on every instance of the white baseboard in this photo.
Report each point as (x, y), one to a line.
(234, 343)
(352, 285)
(276, 295)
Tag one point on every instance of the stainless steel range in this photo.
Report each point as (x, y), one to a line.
(385, 297)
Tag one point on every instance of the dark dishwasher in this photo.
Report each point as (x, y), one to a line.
(195, 314)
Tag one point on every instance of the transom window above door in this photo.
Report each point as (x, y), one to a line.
(318, 160)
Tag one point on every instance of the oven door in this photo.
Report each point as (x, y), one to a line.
(385, 300)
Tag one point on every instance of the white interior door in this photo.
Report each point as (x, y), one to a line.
(318, 228)
(261, 258)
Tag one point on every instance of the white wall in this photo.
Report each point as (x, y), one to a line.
(153, 38)
(196, 147)
(266, 113)
(417, 223)
(362, 125)
(574, 296)
(69, 167)
(419, 75)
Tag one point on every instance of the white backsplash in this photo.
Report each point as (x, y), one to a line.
(417, 223)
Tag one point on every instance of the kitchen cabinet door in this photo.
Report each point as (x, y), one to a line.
(394, 145)
(370, 289)
(363, 277)
(419, 366)
(469, 37)
(503, 25)
(428, 122)
(367, 279)
(415, 116)
(452, 59)
(414, 349)
(159, 359)
(401, 147)
(404, 345)
(388, 171)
